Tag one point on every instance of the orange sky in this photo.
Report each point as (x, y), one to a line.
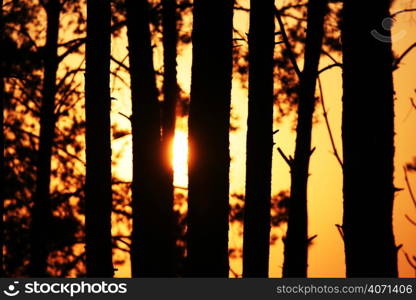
(326, 257)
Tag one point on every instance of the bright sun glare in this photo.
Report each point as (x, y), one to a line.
(180, 159)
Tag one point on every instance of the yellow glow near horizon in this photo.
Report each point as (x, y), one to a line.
(180, 159)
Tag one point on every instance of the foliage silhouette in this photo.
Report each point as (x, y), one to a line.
(23, 82)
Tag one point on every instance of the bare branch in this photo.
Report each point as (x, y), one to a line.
(409, 187)
(287, 7)
(119, 67)
(411, 263)
(293, 17)
(312, 238)
(398, 60)
(115, 74)
(120, 63)
(241, 8)
(121, 212)
(413, 103)
(124, 115)
(180, 187)
(72, 42)
(67, 74)
(234, 273)
(68, 91)
(329, 67)
(289, 160)
(330, 56)
(328, 126)
(340, 230)
(403, 11)
(287, 43)
(410, 220)
(120, 239)
(75, 45)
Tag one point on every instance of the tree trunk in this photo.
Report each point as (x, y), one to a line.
(2, 161)
(259, 140)
(209, 122)
(170, 96)
(98, 192)
(41, 211)
(170, 85)
(368, 140)
(296, 240)
(152, 209)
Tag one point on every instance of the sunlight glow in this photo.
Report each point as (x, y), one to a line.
(180, 159)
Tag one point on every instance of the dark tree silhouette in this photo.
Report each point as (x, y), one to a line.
(41, 212)
(98, 192)
(259, 140)
(2, 162)
(170, 97)
(296, 241)
(209, 124)
(152, 209)
(368, 140)
(170, 85)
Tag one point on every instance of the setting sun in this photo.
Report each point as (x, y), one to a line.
(180, 159)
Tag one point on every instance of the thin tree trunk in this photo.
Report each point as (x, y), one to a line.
(170, 96)
(209, 122)
(41, 211)
(259, 140)
(98, 192)
(368, 140)
(296, 241)
(2, 160)
(170, 85)
(152, 209)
